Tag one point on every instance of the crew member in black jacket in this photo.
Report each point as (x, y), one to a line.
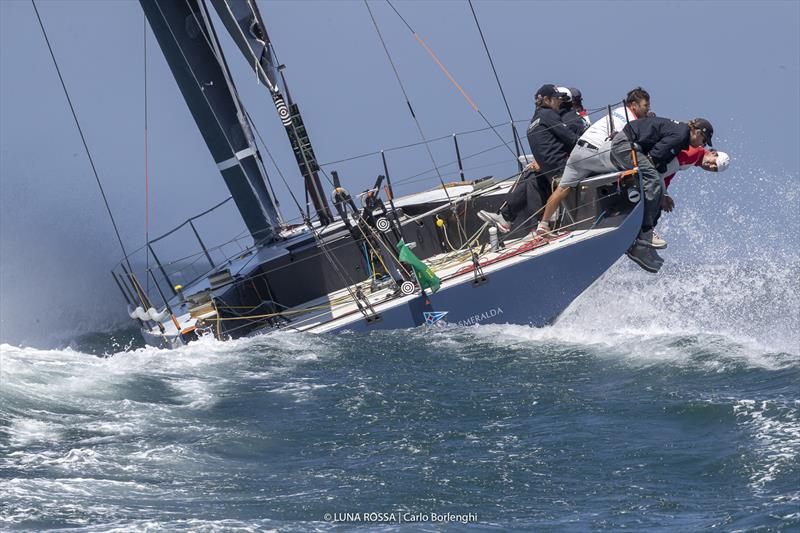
(657, 141)
(551, 143)
(569, 115)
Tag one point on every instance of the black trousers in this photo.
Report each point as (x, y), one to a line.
(528, 197)
(651, 181)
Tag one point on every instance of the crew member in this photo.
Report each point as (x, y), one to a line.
(592, 154)
(694, 156)
(656, 141)
(551, 142)
(569, 115)
(577, 105)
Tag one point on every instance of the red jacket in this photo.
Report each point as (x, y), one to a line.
(691, 157)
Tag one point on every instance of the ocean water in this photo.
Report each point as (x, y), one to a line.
(659, 403)
(666, 402)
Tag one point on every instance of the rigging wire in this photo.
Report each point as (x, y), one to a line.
(411, 178)
(363, 303)
(274, 90)
(200, 87)
(146, 165)
(424, 173)
(205, 27)
(405, 95)
(216, 51)
(413, 115)
(517, 142)
(411, 145)
(80, 131)
(435, 139)
(449, 76)
(469, 100)
(494, 70)
(275, 164)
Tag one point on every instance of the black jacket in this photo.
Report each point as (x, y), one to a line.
(551, 140)
(660, 138)
(573, 120)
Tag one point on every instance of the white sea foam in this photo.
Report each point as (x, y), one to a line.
(74, 486)
(775, 428)
(301, 389)
(159, 454)
(195, 526)
(686, 312)
(196, 393)
(68, 413)
(193, 370)
(24, 432)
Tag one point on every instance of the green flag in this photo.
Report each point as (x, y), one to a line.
(427, 279)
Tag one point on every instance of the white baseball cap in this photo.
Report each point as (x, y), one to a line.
(565, 92)
(723, 161)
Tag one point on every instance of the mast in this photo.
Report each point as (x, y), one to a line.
(244, 23)
(187, 39)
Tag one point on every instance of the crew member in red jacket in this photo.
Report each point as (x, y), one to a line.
(694, 156)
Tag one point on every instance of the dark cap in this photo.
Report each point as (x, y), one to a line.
(576, 93)
(547, 90)
(706, 127)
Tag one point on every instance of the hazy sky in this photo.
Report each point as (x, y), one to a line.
(735, 63)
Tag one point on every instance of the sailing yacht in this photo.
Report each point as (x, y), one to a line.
(391, 262)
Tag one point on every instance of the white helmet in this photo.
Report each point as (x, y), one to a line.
(723, 161)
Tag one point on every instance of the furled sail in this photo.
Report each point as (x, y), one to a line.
(244, 23)
(187, 38)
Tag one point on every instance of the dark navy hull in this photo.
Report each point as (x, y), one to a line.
(534, 291)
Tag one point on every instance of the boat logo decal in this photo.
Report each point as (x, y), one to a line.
(432, 317)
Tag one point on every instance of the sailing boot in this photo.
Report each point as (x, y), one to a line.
(645, 257)
(497, 219)
(651, 239)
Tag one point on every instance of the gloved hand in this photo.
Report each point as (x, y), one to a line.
(660, 166)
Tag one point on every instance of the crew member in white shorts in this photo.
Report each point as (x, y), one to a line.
(592, 153)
